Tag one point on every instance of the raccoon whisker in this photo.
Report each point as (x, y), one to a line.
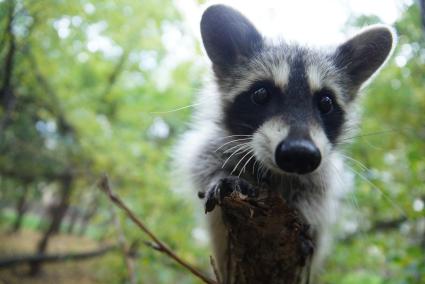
(236, 140)
(361, 165)
(237, 147)
(258, 171)
(233, 147)
(253, 166)
(260, 167)
(245, 125)
(261, 171)
(245, 153)
(176, 109)
(244, 166)
(341, 143)
(234, 169)
(236, 135)
(322, 183)
(391, 201)
(243, 148)
(341, 181)
(352, 194)
(370, 134)
(294, 138)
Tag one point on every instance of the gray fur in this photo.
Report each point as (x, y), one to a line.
(203, 157)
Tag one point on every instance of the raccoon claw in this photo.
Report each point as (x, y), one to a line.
(211, 202)
(225, 187)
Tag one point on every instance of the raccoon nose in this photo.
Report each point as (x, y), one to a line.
(299, 156)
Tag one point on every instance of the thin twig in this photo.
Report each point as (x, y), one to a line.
(105, 187)
(132, 277)
(153, 246)
(215, 269)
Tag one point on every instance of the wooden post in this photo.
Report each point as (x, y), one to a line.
(268, 241)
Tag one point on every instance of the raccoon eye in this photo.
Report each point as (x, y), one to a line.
(325, 104)
(260, 96)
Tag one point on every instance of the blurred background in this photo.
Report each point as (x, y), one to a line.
(89, 87)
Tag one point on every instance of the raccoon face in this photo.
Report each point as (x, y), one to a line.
(293, 100)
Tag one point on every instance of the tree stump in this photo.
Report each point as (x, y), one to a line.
(268, 241)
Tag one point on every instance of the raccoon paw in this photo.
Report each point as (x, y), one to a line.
(225, 187)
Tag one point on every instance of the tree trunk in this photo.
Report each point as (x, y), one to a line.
(7, 97)
(268, 242)
(56, 219)
(21, 208)
(90, 212)
(73, 217)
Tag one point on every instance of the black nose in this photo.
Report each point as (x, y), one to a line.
(297, 156)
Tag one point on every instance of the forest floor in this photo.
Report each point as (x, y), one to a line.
(81, 272)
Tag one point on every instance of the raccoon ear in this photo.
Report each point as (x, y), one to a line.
(228, 36)
(361, 56)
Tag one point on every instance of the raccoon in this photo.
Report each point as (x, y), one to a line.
(273, 117)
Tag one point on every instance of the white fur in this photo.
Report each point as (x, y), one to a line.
(266, 139)
(314, 77)
(280, 74)
(320, 140)
(330, 178)
(323, 75)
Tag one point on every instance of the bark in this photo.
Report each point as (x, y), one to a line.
(73, 217)
(60, 211)
(21, 208)
(56, 219)
(7, 96)
(43, 258)
(89, 213)
(268, 241)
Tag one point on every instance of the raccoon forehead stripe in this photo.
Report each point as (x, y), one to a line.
(261, 69)
(320, 77)
(315, 77)
(271, 68)
(280, 74)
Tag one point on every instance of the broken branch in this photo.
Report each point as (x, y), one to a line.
(162, 247)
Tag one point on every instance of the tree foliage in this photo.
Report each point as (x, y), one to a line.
(83, 84)
(387, 158)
